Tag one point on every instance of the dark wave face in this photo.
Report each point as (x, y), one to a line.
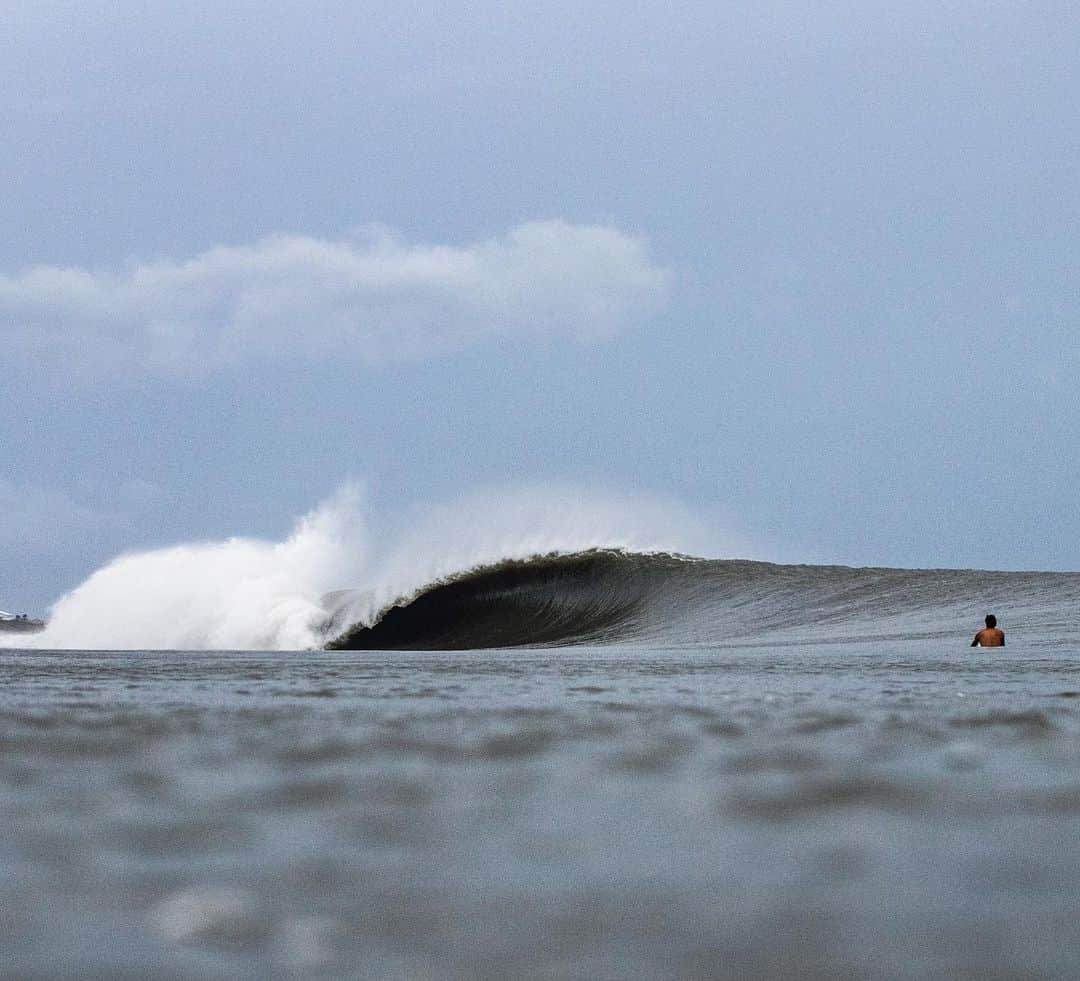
(590, 597)
(607, 597)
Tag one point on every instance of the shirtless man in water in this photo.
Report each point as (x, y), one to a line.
(989, 636)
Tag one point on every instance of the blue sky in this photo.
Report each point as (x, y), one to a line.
(810, 269)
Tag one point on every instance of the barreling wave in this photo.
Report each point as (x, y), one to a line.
(594, 596)
(540, 567)
(614, 596)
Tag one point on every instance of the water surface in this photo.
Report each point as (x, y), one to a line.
(795, 809)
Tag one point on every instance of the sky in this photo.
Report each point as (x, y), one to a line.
(809, 270)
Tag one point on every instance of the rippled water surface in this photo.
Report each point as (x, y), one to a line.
(899, 810)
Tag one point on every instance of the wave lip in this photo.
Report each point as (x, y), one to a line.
(557, 599)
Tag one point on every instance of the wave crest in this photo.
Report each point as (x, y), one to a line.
(597, 595)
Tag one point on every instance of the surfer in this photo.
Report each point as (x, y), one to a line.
(990, 635)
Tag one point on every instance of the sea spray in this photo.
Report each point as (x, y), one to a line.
(241, 593)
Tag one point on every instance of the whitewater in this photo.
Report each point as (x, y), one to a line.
(534, 734)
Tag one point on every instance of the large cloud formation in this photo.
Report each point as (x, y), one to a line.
(369, 298)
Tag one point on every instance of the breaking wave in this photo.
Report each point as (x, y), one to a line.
(252, 594)
(596, 596)
(611, 596)
(535, 566)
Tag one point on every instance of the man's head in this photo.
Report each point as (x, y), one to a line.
(991, 620)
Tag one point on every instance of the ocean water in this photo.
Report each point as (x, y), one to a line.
(681, 769)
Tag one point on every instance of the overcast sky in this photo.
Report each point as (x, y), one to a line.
(811, 269)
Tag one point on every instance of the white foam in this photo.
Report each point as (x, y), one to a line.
(236, 594)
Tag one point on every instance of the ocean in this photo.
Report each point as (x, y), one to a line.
(603, 765)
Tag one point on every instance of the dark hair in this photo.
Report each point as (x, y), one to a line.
(991, 620)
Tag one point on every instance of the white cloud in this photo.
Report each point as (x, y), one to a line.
(369, 298)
